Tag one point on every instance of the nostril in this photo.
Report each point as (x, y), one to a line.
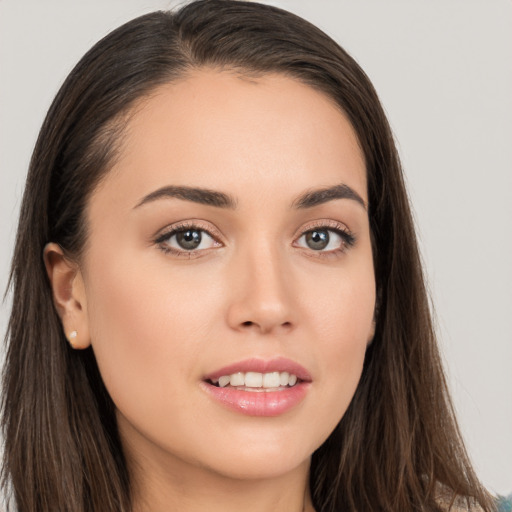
(249, 323)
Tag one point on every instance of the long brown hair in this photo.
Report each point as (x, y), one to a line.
(398, 443)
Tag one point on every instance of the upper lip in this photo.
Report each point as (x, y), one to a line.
(278, 364)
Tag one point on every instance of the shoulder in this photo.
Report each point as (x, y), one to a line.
(450, 503)
(460, 508)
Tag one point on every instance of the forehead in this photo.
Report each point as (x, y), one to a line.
(218, 130)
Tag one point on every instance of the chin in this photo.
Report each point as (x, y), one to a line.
(261, 458)
(260, 468)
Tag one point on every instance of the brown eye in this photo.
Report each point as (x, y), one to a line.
(317, 239)
(326, 239)
(189, 239)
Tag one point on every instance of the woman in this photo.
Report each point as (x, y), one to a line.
(218, 299)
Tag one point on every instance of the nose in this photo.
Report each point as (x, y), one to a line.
(261, 297)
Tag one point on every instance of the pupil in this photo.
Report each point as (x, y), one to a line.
(188, 239)
(317, 240)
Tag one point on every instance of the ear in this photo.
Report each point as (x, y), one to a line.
(68, 295)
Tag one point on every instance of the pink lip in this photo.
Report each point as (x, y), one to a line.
(260, 403)
(279, 364)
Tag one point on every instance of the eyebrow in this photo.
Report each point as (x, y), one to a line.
(194, 194)
(222, 200)
(323, 195)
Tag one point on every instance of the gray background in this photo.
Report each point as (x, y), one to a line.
(443, 69)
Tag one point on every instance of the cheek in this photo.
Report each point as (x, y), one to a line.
(147, 325)
(344, 326)
(342, 305)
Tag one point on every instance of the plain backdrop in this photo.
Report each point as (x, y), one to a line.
(443, 70)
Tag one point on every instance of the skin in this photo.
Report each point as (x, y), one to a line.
(159, 322)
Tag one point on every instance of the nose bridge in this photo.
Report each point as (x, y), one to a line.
(262, 296)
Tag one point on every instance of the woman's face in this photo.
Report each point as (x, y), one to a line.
(229, 246)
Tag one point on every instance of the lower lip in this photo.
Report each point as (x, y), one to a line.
(259, 403)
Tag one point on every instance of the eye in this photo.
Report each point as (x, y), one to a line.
(186, 240)
(326, 239)
(321, 239)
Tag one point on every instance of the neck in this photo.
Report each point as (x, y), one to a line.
(160, 486)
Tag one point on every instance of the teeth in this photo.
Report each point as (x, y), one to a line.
(271, 380)
(257, 380)
(224, 381)
(237, 379)
(253, 380)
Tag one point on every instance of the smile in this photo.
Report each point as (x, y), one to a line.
(256, 381)
(259, 388)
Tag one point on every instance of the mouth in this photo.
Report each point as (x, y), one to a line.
(259, 388)
(256, 381)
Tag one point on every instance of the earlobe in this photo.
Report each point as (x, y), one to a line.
(68, 295)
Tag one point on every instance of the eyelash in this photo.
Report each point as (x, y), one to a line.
(162, 239)
(348, 239)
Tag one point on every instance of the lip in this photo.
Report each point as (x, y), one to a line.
(278, 364)
(260, 403)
